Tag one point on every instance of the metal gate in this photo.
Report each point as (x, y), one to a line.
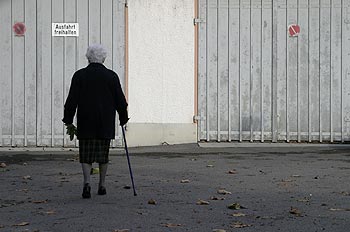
(257, 83)
(36, 68)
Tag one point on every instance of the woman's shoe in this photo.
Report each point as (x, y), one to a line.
(101, 191)
(86, 191)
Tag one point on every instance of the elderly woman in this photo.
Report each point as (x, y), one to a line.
(97, 94)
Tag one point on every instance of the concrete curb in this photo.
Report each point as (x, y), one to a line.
(276, 145)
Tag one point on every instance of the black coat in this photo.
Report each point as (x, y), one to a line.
(96, 92)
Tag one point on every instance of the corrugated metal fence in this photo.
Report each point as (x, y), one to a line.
(258, 83)
(36, 68)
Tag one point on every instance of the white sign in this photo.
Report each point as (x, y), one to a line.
(65, 29)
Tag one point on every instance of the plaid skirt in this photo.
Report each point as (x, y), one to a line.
(94, 150)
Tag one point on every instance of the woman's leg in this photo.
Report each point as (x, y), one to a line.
(103, 172)
(86, 172)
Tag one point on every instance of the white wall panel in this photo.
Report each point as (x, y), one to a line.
(6, 72)
(314, 71)
(18, 65)
(303, 72)
(212, 70)
(202, 72)
(161, 61)
(234, 69)
(266, 71)
(346, 68)
(245, 70)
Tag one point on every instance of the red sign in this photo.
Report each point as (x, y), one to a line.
(19, 29)
(294, 30)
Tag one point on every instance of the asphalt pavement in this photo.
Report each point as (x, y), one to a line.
(180, 188)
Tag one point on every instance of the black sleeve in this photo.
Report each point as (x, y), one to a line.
(72, 101)
(121, 104)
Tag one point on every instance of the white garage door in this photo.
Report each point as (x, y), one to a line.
(257, 82)
(36, 68)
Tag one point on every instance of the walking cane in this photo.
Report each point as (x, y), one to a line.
(127, 155)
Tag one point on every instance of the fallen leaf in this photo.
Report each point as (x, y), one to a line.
(219, 230)
(201, 202)
(152, 202)
(185, 181)
(50, 212)
(232, 171)
(171, 225)
(345, 193)
(239, 214)
(40, 202)
(287, 180)
(122, 230)
(305, 199)
(240, 225)
(295, 211)
(287, 183)
(3, 165)
(214, 198)
(223, 192)
(266, 217)
(235, 206)
(339, 209)
(27, 177)
(22, 224)
(210, 166)
(23, 190)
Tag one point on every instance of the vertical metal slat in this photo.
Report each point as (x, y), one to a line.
(113, 143)
(38, 78)
(25, 141)
(309, 74)
(341, 73)
(250, 75)
(240, 74)
(320, 84)
(287, 90)
(274, 72)
(207, 78)
(64, 73)
(261, 76)
(52, 87)
(331, 72)
(217, 70)
(76, 57)
(228, 73)
(298, 82)
(12, 84)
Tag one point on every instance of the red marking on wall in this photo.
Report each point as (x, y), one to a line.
(294, 30)
(19, 29)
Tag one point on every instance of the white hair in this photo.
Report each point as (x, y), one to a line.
(96, 53)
